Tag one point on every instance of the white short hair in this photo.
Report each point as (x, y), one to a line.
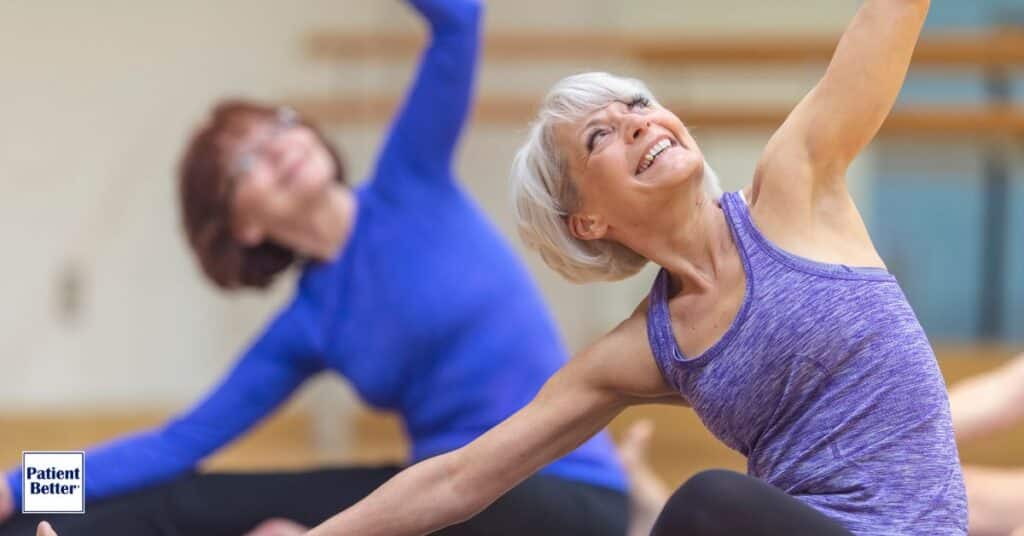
(543, 195)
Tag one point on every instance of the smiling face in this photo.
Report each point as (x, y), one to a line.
(279, 168)
(626, 160)
(249, 170)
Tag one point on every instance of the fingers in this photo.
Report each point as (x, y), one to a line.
(278, 527)
(44, 529)
(6, 501)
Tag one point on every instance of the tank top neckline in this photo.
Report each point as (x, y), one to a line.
(663, 318)
(745, 235)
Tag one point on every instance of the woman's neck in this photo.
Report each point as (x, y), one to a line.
(325, 229)
(698, 250)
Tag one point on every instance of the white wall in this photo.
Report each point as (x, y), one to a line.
(99, 97)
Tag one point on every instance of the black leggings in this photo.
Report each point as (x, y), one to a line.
(231, 504)
(720, 503)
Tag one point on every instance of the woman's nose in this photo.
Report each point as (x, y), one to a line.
(636, 126)
(276, 149)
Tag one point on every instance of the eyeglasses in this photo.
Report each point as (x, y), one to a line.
(284, 119)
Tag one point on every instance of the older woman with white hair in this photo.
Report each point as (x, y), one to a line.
(773, 316)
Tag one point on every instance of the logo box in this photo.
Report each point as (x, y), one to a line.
(53, 482)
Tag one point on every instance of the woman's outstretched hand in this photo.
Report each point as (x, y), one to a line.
(278, 527)
(6, 501)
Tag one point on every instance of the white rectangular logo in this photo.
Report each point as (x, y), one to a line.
(53, 482)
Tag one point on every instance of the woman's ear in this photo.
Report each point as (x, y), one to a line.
(587, 226)
(249, 234)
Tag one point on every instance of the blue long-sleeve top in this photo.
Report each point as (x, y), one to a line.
(426, 310)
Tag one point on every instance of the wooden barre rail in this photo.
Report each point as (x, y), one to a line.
(518, 111)
(992, 49)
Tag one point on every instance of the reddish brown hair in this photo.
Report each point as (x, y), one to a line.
(205, 190)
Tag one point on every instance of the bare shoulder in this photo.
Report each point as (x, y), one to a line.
(622, 361)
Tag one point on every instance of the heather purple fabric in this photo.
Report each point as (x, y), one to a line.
(826, 382)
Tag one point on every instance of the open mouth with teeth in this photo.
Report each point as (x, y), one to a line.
(652, 154)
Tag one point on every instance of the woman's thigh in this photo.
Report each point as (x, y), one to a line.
(722, 503)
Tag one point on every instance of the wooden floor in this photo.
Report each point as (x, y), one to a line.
(681, 445)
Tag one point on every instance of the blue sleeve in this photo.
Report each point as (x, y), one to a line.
(273, 367)
(422, 138)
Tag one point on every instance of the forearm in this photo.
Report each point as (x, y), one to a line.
(848, 106)
(989, 402)
(430, 121)
(153, 456)
(419, 500)
(120, 466)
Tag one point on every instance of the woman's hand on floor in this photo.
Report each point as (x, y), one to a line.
(278, 527)
(6, 501)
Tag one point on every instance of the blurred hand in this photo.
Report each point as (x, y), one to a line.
(44, 529)
(6, 501)
(648, 493)
(278, 527)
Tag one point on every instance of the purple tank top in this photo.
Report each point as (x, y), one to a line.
(826, 382)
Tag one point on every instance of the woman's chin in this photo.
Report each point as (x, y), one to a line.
(670, 177)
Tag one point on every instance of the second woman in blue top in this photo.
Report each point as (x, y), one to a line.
(409, 292)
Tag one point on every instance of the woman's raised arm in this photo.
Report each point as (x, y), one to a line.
(844, 111)
(425, 132)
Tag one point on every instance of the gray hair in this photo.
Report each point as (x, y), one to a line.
(543, 195)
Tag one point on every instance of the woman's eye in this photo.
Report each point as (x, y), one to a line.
(594, 137)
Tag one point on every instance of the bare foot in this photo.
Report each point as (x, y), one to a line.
(277, 526)
(647, 492)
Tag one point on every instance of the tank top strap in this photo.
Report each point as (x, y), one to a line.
(737, 215)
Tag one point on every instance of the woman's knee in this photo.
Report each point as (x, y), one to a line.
(710, 485)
